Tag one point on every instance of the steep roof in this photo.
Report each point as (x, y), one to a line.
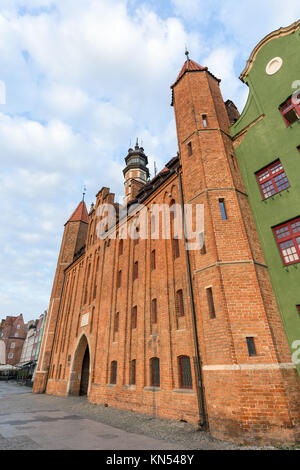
(189, 66)
(80, 214)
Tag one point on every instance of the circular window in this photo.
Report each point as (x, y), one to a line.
(274, 65)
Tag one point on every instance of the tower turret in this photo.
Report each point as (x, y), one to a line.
(136, 172)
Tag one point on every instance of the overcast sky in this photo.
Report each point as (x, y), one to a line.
(83, 78)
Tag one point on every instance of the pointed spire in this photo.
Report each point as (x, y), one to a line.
(80, 214)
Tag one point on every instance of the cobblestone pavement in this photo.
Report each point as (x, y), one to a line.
(30, 421)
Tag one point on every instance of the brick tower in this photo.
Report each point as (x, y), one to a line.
(250, 383)
(73, 240)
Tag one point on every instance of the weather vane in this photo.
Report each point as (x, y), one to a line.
(84, 191)
(187, 53)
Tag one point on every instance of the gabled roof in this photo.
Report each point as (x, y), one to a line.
(80, 214)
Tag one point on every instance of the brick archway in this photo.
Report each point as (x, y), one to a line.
(77, 368)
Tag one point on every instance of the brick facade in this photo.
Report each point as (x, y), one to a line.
(12, 336)
(225, 290)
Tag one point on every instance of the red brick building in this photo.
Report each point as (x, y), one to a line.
(155, 328)
(12, 337)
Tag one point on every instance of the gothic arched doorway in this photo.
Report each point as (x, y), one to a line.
(80, 370)
(85, 373)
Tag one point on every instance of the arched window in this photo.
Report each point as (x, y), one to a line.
(184, 371)
(154, 372)
(113, 372)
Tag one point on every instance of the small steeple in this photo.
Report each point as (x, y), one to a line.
(80, 214)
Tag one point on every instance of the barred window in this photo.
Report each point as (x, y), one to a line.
(132, 372)
(154, 372)
(185, 374)
(179, 304)
(113, 372)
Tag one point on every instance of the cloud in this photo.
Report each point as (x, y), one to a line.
(82, 80)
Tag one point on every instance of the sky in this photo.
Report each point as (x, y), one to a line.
(80, 80)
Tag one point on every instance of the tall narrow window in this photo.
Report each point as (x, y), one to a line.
(119, 279)
(154, 372)
(179, 303)
(113, 372)
(204, 120)
(135, 270)
(132, 378)
(288, 240)
(272, 179)
(59, 373)
(251, 346)
(154, 311)
(134, 317)
(152, 224)
(223, 209)
(120, 247)
(175, 244)
(153, 260)
(116, 322)
(190, 149)
(211, 305)
(185, 374)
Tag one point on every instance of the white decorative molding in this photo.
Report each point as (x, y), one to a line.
(274, 65)
(85, 319)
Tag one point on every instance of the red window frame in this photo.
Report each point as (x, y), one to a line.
(287, 237)
(179, 303)
(154, 310)
(287, 106)
(269, 180)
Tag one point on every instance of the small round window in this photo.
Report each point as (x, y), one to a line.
(274, 65)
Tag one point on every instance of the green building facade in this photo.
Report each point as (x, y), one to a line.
(267, 145)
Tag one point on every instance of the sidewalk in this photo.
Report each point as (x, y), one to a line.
(30, 421)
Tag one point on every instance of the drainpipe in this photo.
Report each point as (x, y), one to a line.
(203, 422)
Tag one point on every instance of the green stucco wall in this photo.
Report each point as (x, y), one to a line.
(267, 140)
